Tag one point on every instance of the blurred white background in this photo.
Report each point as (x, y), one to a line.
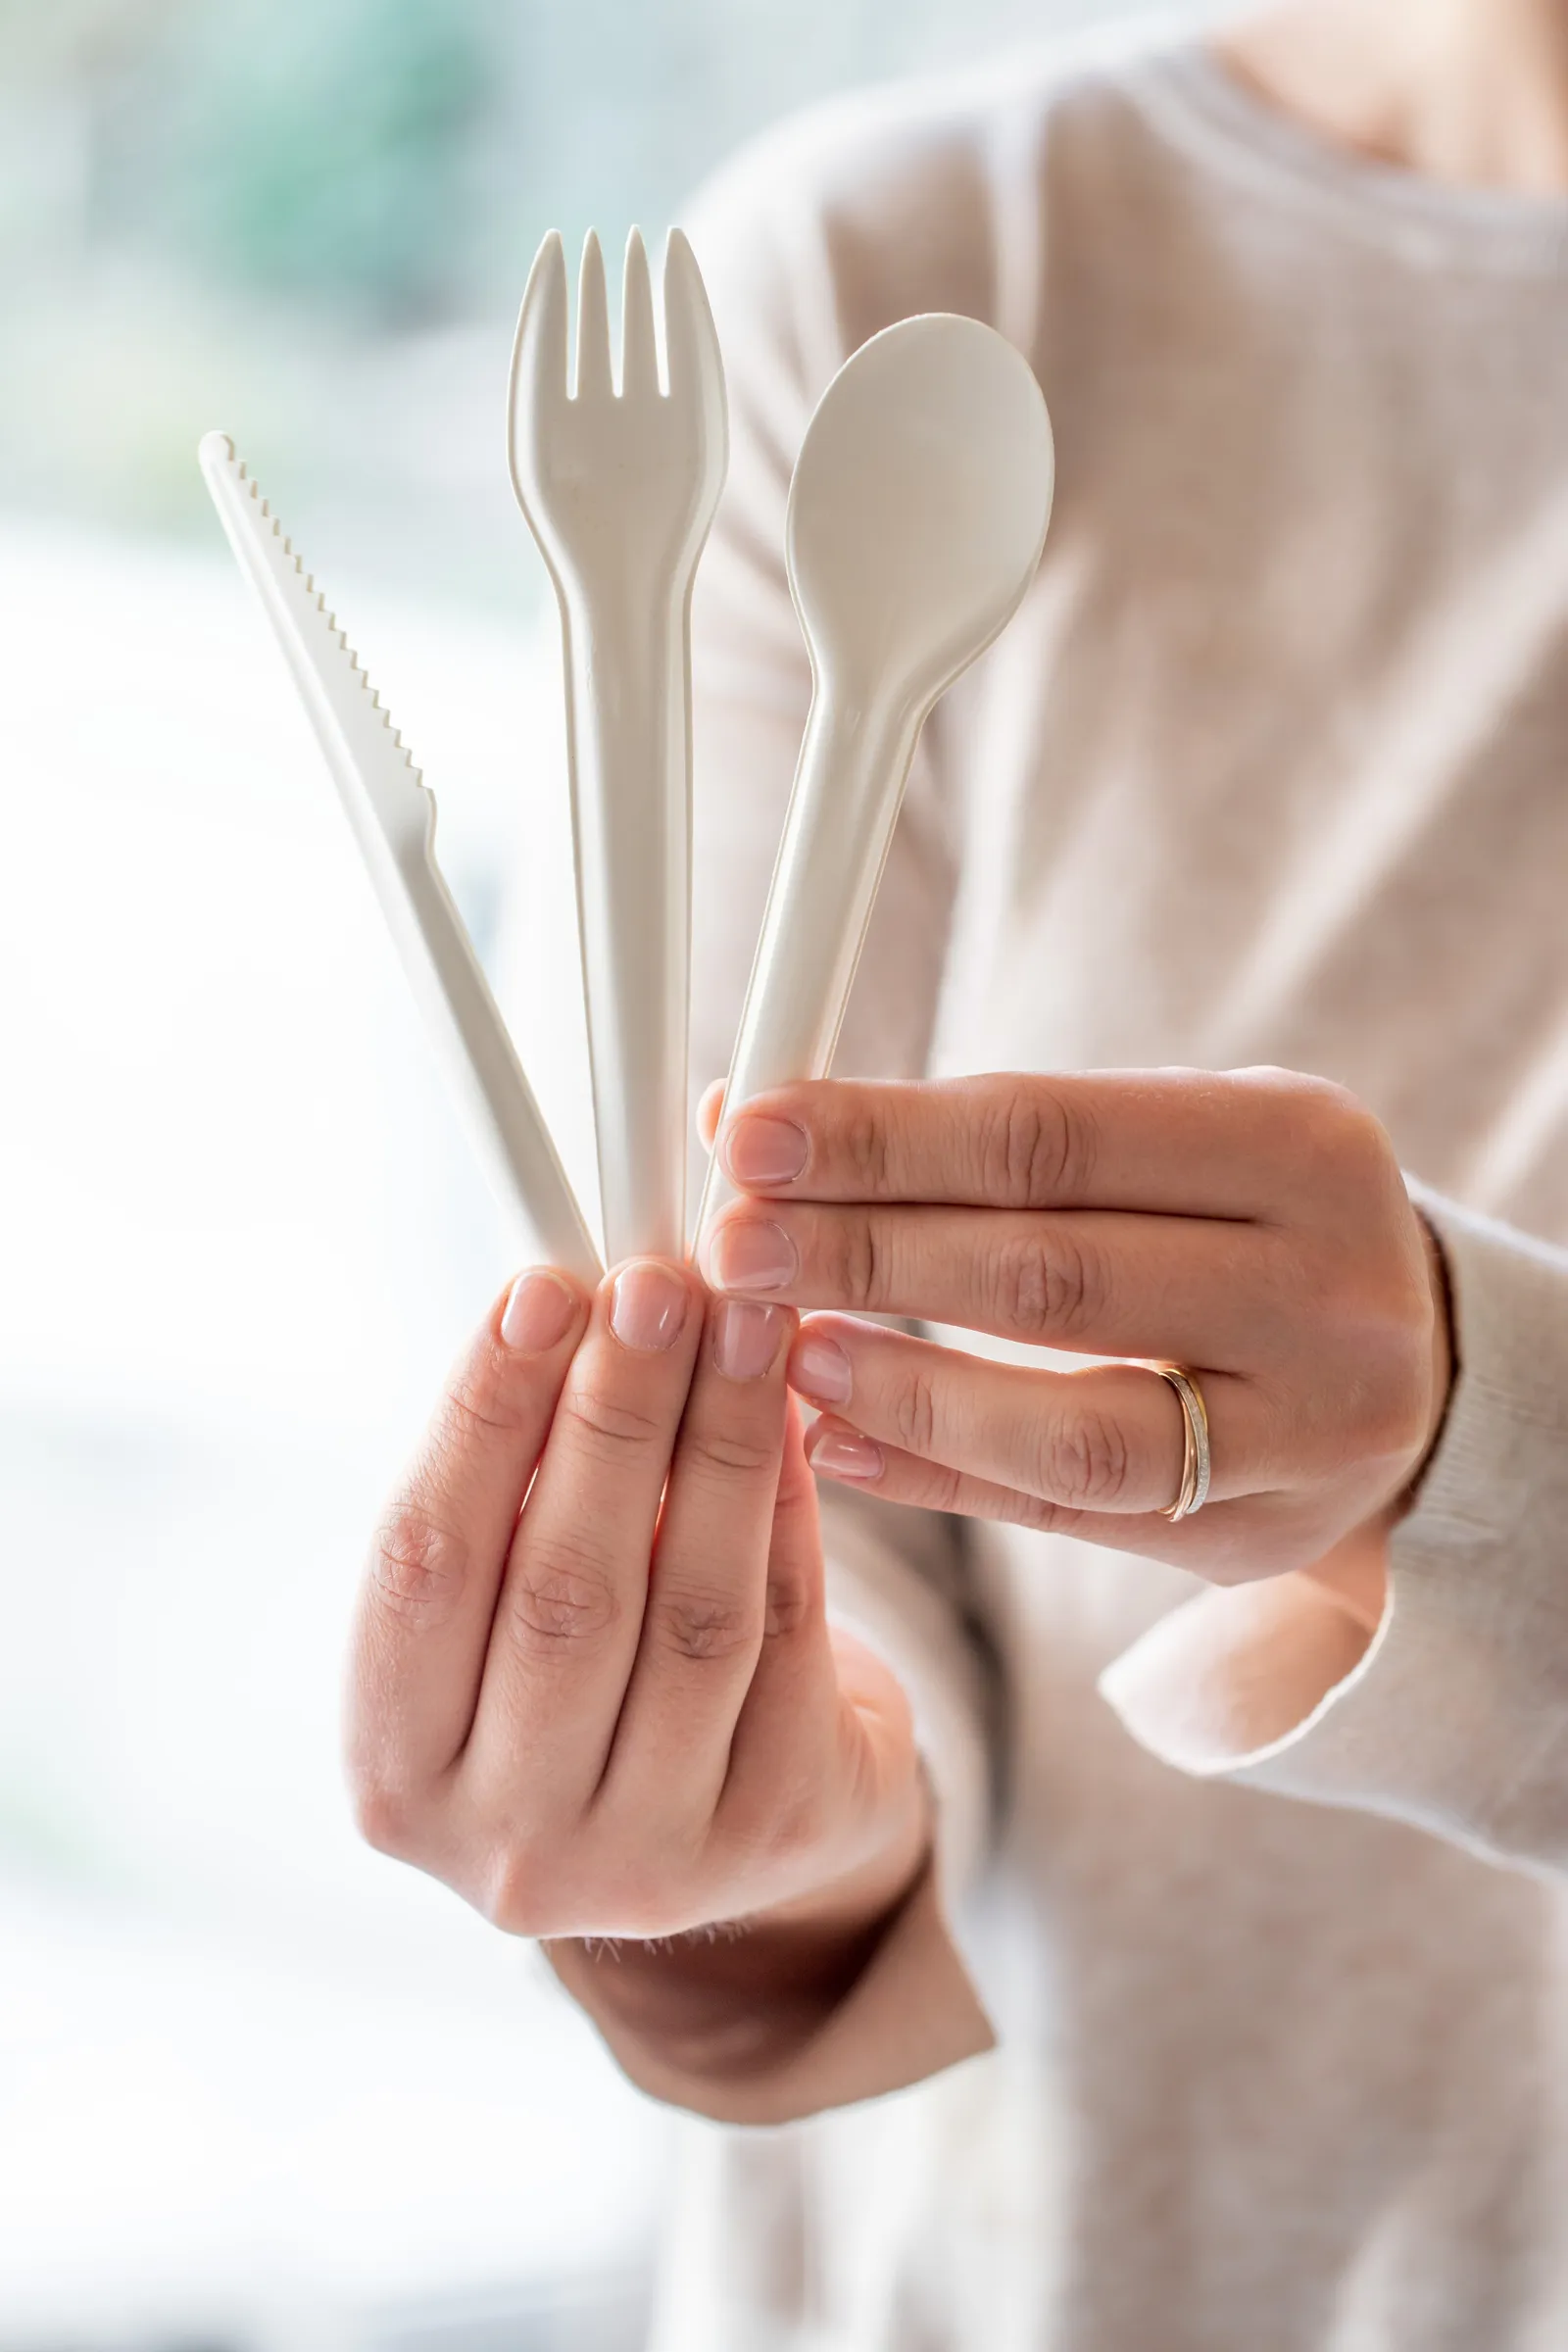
(258, 2087)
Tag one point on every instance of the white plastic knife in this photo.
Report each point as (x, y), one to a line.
(392, 814)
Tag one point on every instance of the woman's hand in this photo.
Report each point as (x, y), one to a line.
(593, 1687)
(1252, 1227)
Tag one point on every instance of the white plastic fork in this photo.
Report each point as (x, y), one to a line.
(619, 489)
(392, 814)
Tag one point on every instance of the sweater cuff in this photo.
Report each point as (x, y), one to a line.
(1454, 1716)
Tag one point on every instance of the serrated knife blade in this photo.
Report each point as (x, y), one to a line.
(392, 814)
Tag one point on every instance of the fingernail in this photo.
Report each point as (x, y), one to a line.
(537, 1313)
(752, 1255)
(648, 1306)
(746, 1337)
(820, 1369)
(762, 1150)
(844, 1453)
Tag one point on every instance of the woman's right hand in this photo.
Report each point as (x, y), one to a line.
(592, 1686)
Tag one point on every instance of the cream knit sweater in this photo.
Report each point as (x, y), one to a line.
(1272, 766)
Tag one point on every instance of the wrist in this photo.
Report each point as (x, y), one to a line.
(745, 1993)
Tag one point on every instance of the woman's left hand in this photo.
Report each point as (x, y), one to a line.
(1253, 1228)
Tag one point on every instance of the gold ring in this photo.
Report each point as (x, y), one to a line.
(1196, 1465)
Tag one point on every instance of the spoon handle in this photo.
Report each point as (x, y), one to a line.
(854, 762)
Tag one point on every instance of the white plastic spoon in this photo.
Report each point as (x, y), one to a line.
(917, 519)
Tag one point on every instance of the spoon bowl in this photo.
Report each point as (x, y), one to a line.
(919, 508)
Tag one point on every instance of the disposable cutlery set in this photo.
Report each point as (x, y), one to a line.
(916, 516)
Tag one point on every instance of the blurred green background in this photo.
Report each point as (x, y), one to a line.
(310, 221)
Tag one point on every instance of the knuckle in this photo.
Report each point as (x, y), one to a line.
(1022, 1291)
(774, 1824)
(1039, 1517)
(383, 1814)
(1033, 1150)
(419, 1565)
(1295, 1091)
(705, 1627)
(614, 1427)
(1348, 1129)
(941, 1489)
(1325, 1101)
(914, 1412)
(541, 1889)
(864, 1142)
(795, 1517)
(558, 1594)
(795, 1543)
(517, 1893)
(491, 1398)
(1333, 1127)
(787, 1607)
(856, 1261)
(720, 1454)
(1085, 1464)
(1047, 1286)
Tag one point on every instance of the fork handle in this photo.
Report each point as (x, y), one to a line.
(855, 762)
(628, 671)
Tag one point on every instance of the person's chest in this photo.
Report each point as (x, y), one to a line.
(1273, 764)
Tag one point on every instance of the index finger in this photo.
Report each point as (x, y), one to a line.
(426, 1607)
(1186, 1143)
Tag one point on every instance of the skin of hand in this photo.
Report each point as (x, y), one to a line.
(592, 1683)
(1252, 1227)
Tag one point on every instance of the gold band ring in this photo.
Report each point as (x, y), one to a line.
(1196, 1465)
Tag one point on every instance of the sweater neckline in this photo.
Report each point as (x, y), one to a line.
(1201, 101)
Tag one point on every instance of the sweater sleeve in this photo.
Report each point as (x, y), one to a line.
(1454, 1716)
(899, 1578)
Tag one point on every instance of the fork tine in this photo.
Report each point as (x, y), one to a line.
(541, 340)
(538, 355)
(693, 359)
(639, 351)
(594, 378)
